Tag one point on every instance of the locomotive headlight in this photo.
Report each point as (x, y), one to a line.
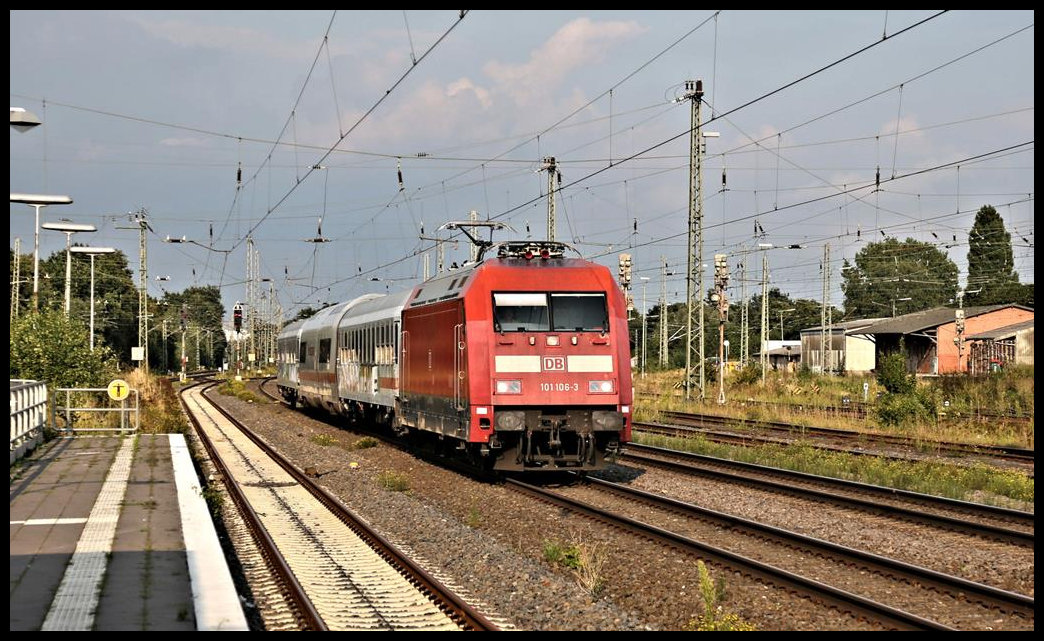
(552, 341)
(600, 387)
(509, 387)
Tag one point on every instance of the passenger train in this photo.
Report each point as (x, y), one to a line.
(521, 360)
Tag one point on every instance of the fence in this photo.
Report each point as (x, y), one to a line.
(28, 416)
(83, 414)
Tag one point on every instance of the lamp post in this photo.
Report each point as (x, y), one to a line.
(92, 252)
(69, 229)
(37, 201)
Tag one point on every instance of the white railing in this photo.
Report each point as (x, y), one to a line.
(90, 409)
(28, 416)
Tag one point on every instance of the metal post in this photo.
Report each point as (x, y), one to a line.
(92, 302)
(645, 320)
(764, 317)
(694, 280)
(552, 171)
(663, 313)
(36, 259)
(16, 290)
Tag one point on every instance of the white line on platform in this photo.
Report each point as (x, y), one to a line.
(50, 522)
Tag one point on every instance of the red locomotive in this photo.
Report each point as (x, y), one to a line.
(522, 359)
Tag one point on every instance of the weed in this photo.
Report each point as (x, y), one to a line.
(214, 498)
(364, 443)
(714, 617)
(559, 553)
(324, 440)
(586, 560)
(394, 481)
(474, 518)
(592, 559)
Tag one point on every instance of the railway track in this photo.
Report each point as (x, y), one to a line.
(336, 572)
(734, 430)
(878, 610)
(895, 594)
(987, 521)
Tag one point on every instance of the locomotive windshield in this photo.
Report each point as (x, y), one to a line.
(579, 312)
(530, 312)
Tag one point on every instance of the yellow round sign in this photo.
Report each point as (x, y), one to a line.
(119, 389)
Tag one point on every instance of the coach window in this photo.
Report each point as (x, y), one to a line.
(324, 350)
(579, 312)
(303, 352)
(520, 312)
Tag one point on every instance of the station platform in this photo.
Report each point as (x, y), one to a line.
(113, 533)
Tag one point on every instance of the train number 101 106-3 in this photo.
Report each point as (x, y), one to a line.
(559, 387)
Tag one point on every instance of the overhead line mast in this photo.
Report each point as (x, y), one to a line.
(694, 279)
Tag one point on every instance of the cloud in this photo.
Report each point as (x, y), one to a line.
(184, 142)
(465, 85)
(577, 44)
(205, 35)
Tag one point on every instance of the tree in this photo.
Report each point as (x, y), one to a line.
(903, 277)
(51, 347)
(204, 314)
(115, 296)
(991, 265)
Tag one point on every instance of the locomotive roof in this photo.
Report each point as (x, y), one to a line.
(451, 283)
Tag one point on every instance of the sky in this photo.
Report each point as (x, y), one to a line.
(240, 131)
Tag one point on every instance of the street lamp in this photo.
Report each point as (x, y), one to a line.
(781, 312)
(69, 229)
(23, 120)
(37, 201)
(92, 252)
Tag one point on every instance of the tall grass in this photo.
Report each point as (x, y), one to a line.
(963, 408)
(977, 482)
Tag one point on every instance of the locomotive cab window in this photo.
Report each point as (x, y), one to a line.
(303, 352)
(531, 312)
(579, 312)
(324, 350)
(526, 312)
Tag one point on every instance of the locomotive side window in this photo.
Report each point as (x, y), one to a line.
(520, 312)
(324, 350)
(579, 312)
(303, 352)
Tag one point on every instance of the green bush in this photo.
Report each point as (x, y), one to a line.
(899, 409)
(749, 375)
(48, 346)
(891, 374)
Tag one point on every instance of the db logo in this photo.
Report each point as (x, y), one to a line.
(554, 363)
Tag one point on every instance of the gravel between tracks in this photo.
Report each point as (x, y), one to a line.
(486, 541)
